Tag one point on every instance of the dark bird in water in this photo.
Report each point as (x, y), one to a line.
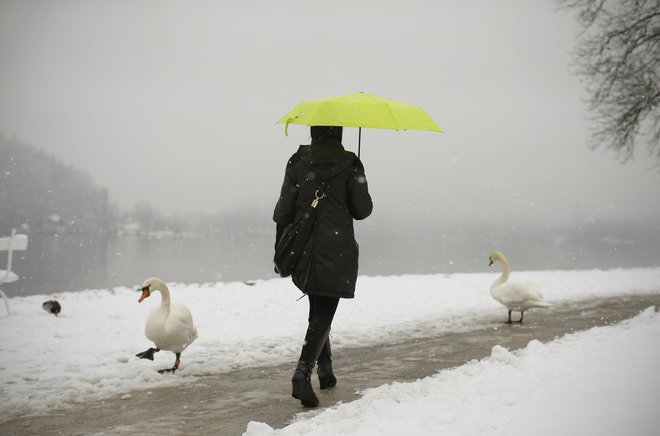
(52, 306)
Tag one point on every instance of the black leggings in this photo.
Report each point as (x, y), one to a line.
(321, 312)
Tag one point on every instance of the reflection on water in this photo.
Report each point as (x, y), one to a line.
(54, 264)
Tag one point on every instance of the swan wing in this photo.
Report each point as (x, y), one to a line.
(519, 295)
(180, 330)
(171, 328)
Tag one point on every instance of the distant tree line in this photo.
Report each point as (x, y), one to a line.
(145, 220)
(40, 194)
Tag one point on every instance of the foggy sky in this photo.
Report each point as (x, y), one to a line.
(175, 103)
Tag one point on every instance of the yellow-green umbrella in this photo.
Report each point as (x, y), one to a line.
(360, 110)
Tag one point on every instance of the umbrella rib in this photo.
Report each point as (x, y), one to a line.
(318, 108)
(392, 116)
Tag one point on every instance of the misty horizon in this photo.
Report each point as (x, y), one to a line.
(580, 216)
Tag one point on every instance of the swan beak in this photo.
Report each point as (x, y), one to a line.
(490, 263)
(145, 294)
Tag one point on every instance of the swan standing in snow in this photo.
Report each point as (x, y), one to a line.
(518, 296)
(169, 326)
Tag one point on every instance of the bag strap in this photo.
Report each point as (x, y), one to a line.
(317, 197)
(321, 184)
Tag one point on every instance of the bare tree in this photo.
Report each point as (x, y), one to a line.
(618, 55)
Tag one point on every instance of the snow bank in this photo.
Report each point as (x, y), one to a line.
(603, 381)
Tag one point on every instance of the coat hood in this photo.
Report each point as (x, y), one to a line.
(325, 159)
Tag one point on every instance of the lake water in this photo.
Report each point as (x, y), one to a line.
(55, 264)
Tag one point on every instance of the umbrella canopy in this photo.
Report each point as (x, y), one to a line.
(360, 110)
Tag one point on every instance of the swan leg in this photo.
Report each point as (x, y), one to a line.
(509, 321)
(177, 362)
(521, 316)
(149, 354)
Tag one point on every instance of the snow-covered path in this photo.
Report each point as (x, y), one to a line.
(226, 403)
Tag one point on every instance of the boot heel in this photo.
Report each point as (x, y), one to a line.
(327, 378)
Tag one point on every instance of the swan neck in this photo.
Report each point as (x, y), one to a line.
(164, 295)
(505, 273)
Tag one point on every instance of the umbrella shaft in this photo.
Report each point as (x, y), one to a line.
(359, 140)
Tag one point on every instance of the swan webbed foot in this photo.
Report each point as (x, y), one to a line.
(149, 354)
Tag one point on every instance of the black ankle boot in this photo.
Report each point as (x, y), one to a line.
(302, 384)
(324, 370)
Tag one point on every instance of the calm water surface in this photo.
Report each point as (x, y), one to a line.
(55, 264)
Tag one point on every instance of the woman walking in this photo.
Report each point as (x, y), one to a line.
(328, 267)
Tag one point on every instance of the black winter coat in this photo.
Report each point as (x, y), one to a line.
(329, 264)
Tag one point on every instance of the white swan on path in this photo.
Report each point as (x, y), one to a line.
(516, 296)
(169, 326)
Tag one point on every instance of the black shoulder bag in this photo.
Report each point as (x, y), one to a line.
(294, 238)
